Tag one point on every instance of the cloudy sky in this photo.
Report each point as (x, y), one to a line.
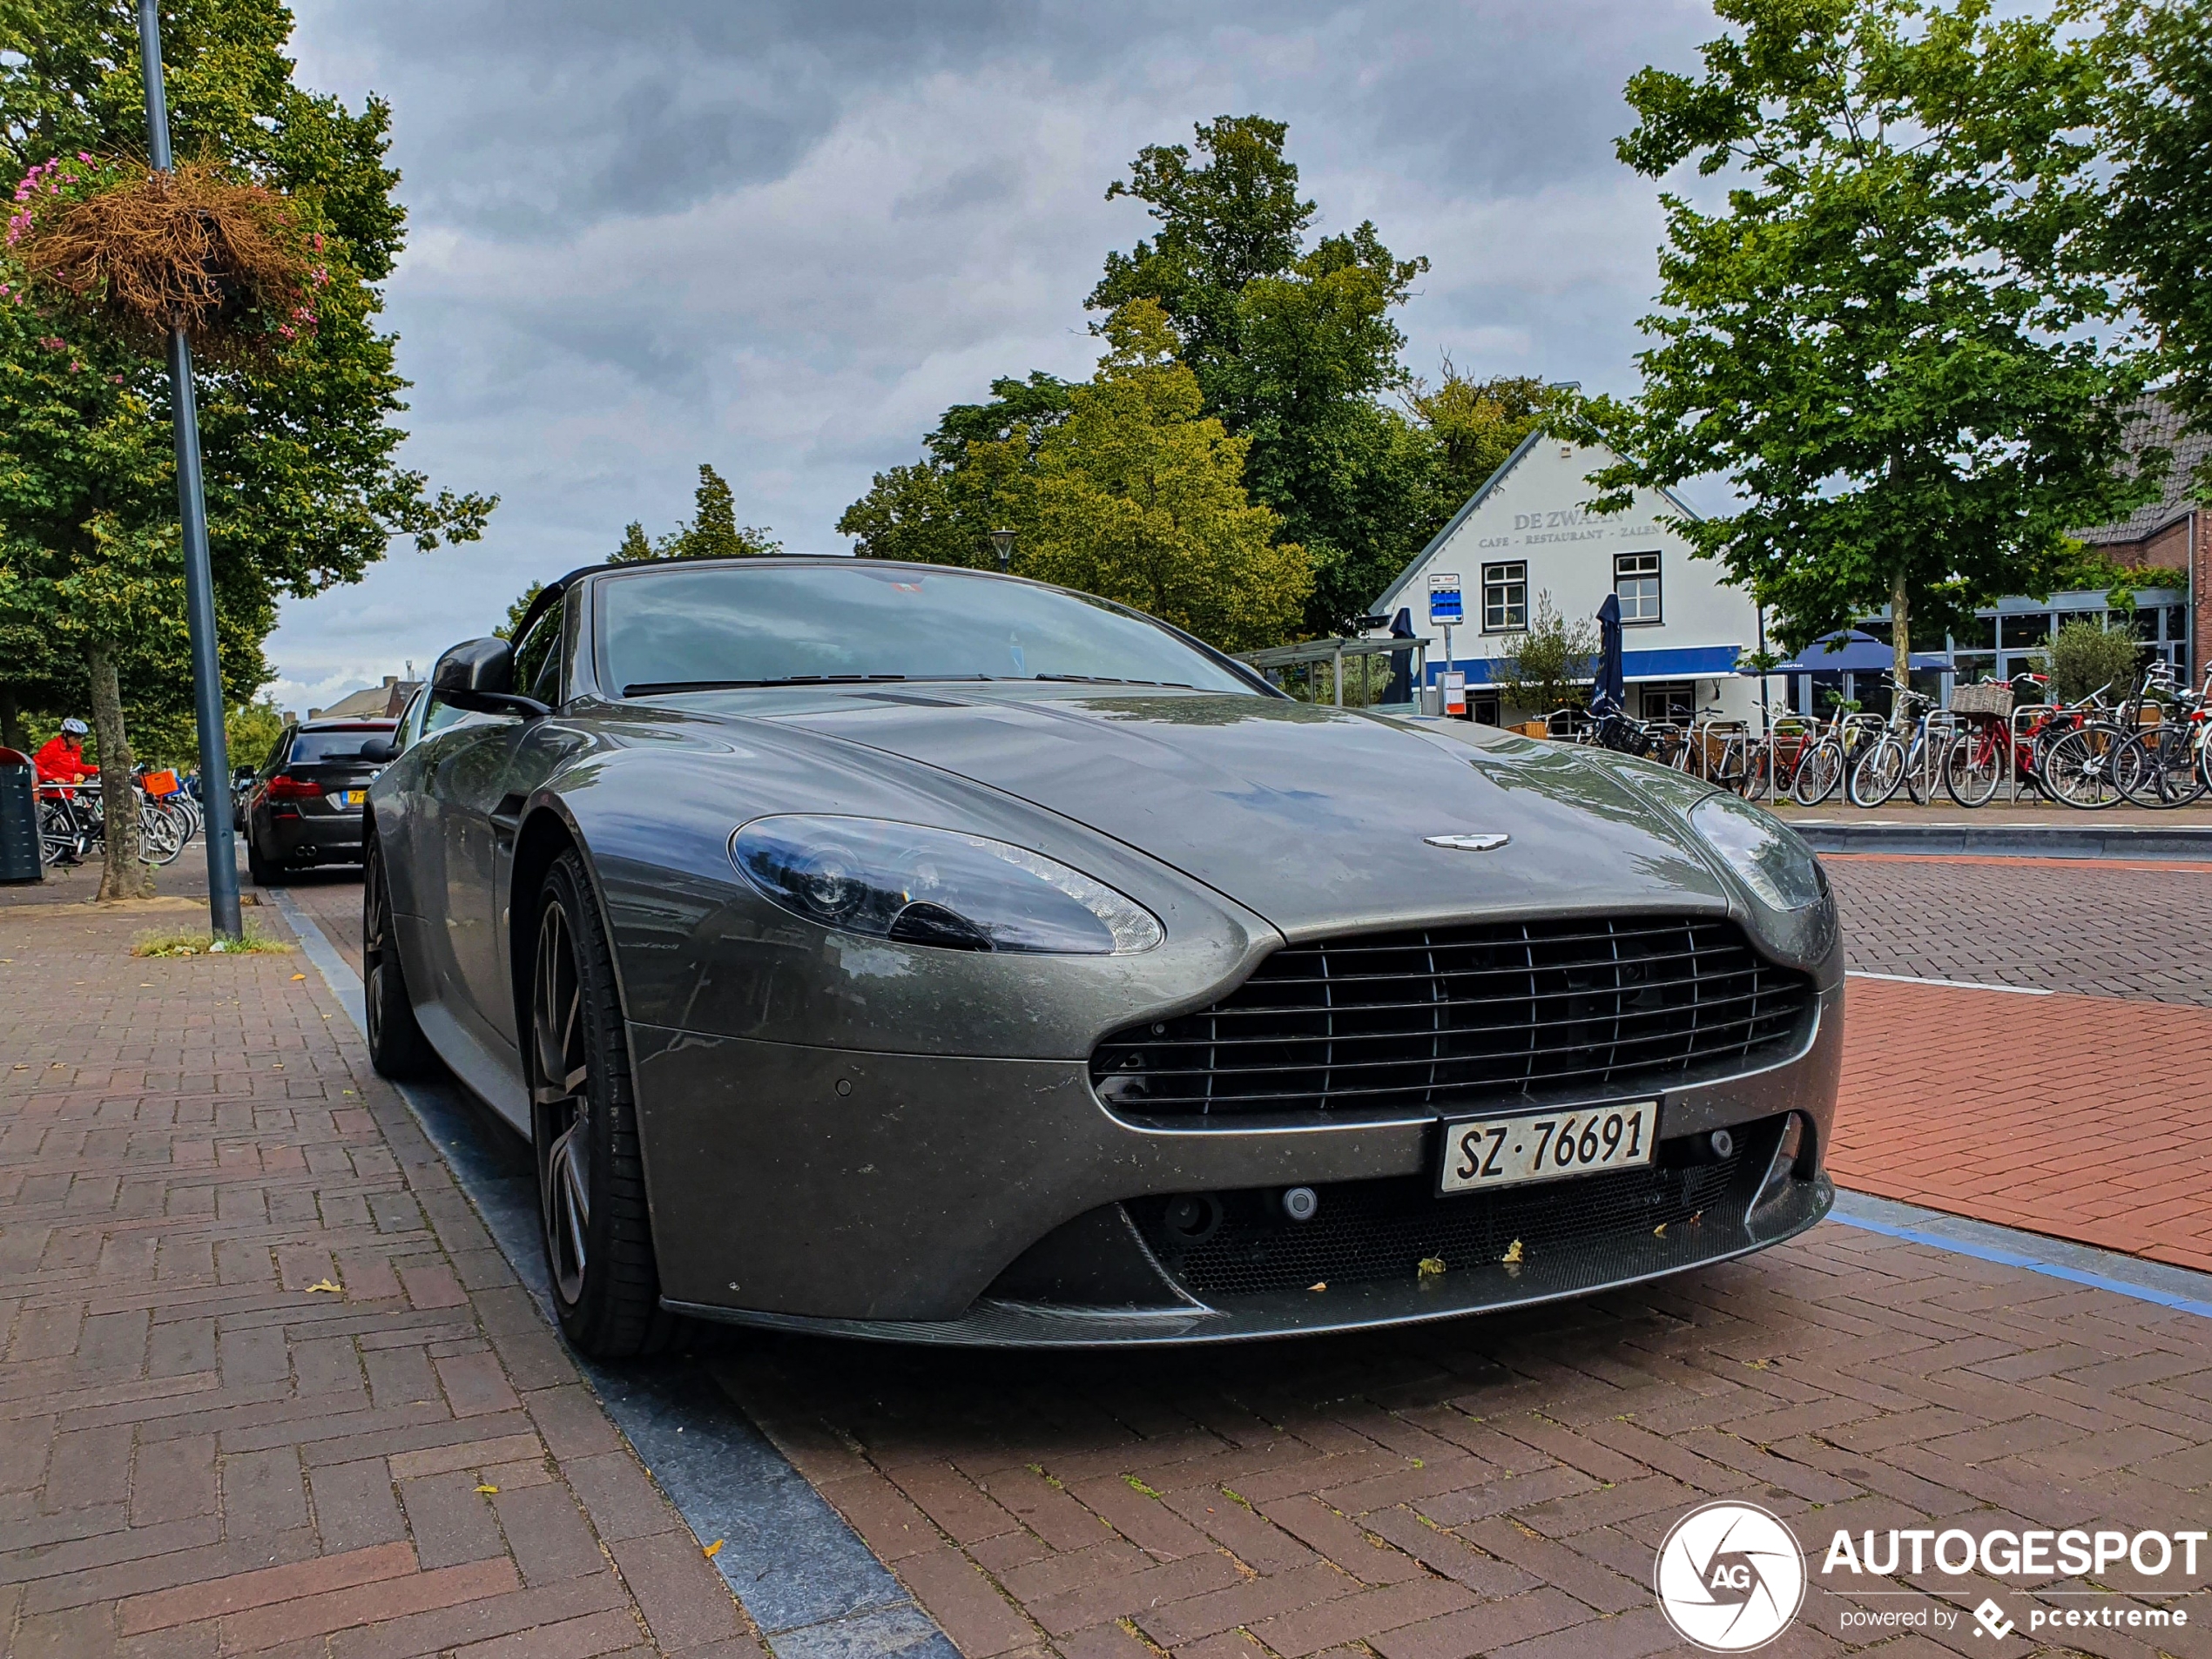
(782, 235)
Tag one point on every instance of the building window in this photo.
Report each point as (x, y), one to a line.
(1635, 583)
(1505, 598)
(1669, 703)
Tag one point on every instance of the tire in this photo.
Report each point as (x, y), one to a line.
(2078, 768)
(596, 1227)
(2158, 768)
(1819, 771)
(1921, 768)
(262, 872)
(1970, 774)
(1877, 773)
(396, 1046)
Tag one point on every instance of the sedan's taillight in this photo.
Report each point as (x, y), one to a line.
(283, 788)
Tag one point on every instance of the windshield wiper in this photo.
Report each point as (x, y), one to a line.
(1110, 679)
(654, 688)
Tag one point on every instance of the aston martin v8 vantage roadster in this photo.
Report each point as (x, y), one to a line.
(932, 954)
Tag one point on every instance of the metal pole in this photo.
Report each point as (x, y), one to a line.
(200, 578)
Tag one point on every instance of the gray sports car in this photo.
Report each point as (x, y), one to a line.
(929, 954)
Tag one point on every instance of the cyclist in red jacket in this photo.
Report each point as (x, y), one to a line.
(60, 763)
(61, 758)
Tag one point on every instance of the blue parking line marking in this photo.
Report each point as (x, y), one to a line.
(2142, 1281)
(805, 1578)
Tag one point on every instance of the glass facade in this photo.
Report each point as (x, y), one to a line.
(2003, 642)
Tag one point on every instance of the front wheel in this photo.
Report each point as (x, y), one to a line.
(2079, 768)
(1971, 770)
(590, 1175)
(1818, 772)
(1878, 772)
(396, 1046)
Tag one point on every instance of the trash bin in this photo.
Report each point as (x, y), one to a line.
(19, 859)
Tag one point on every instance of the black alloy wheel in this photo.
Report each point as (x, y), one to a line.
(396, 1046)
(591, 1177)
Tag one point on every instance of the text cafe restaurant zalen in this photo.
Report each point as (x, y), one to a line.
(1526, 534)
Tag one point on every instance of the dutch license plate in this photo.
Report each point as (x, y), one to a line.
(355, 797)
(1484, 1152)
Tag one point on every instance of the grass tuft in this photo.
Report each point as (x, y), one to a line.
(185, 942)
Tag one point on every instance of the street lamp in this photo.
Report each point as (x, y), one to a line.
(191, 511)
(1002, 543)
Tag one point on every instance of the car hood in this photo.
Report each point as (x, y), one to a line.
(1317, 818)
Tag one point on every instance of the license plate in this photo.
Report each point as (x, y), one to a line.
(1484, 1152)
(355, 797)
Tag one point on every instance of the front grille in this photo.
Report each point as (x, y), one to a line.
(1370, 1230)
(1452, 1017)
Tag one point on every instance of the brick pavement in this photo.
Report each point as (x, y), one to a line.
(205, 1450)
(2082, 925)
(1499, 1485)
(1494, 1486)
(2085, 1117)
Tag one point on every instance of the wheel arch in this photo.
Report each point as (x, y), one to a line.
(547, 830)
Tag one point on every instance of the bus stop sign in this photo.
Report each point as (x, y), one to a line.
(1444, 598)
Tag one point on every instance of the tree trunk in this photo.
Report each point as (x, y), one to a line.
(12, 731)
(1900, 632)
(123, 874)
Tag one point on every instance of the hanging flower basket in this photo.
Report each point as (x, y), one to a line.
(145, 253)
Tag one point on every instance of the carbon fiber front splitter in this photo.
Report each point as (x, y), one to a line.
(1785, 1207)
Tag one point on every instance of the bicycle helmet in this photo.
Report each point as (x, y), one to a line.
(76, 728)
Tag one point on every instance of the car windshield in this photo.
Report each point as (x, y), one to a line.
(312, 748)
(673, 628)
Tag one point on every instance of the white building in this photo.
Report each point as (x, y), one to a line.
(1526, 533)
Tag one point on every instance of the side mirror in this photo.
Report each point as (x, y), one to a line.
(380, 751)
(474, 665)
(477, 675)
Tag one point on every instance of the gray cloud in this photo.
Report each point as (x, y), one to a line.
(782, 236)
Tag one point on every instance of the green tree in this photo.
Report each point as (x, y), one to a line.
(1141, 498)
(978, 473)
(1474, 425)
(1550, 665)
(713, 532)
(2155, 128)
(303, 488)
(1881, 343)
(2084, 657)
(1293, 347)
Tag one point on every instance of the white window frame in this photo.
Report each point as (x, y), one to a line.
(1504, 579)
(1629, 567)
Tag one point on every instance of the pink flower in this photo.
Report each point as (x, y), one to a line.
(84, 155)
(117, 379)
(76, 367)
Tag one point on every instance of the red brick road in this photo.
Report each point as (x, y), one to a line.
(2085, 1117)
(200, 1456)
(203, 1449)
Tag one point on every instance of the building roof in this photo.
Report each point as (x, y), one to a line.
(1390, 596)
(2154, 423)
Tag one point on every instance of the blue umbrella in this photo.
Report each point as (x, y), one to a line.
(1610, 694)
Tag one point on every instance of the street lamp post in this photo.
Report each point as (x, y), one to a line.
(1002, 542)
(200, 580)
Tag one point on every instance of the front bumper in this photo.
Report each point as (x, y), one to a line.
(911, 1198)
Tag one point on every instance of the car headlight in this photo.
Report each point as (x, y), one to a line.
(934, 887)
(1770, 857)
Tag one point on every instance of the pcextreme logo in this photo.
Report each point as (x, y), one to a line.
(1729, 1577)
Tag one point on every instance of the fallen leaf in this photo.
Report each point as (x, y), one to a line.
(1696, 1217)
(329, 1286)
(1660, 1231)
(1431, 1267)
(489, 1492)
(712, 1550)
(1323, 1285)
(299, 976)
(1512, 1258)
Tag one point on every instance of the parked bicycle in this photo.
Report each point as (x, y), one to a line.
(1900, 756)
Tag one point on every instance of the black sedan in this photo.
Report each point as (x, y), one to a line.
(930, 955)
(308, 802)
